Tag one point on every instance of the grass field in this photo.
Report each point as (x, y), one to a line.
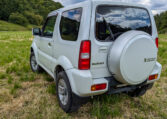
(25, 95)
(6, 26)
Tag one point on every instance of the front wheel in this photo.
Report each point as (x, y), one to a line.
(33, 63)
(68, 101)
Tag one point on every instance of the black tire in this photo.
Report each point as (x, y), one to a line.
(73, 101)
(140, 91)
(38, 69)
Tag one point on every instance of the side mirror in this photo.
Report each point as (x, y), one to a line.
(36, 31)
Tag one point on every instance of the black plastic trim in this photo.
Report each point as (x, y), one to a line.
(114, 89)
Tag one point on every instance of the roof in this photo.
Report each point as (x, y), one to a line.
(105, 2)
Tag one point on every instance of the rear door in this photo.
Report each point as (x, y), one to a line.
(99, 49)
(46, 42)
(107, 24)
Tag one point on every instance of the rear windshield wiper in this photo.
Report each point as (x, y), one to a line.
(108, 27)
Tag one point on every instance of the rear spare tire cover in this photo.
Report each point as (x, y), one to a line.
(132, 57)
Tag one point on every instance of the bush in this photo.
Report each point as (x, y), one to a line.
(163, 31)
(18, 19)
(33, 18)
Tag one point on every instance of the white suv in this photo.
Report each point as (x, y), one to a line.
(97, 47)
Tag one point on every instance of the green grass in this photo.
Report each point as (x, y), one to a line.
(52, 89)
(15, 87)
(26, 95)
(10, 79)
(6, 26)
(2, 75)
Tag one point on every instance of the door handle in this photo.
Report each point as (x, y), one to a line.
(49, 44)
(103, 49)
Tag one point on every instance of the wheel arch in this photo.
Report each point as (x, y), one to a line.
(61, 64)
(34, 50)
(57, 70)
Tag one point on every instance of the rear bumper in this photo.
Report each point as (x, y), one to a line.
(81, 82)
(157, 70)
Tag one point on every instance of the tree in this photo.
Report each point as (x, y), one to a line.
(37, 9)
(161, 22)
(33, 18)
(18, 19)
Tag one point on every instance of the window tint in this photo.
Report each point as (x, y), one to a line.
(49, 26)
(70, 23)
(112, 21)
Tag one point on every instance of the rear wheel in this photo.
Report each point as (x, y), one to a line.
(33, 63)
(140, 91)
(68, 101)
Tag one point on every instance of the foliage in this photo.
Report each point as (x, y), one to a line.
(32, 18)
(6, 26)
(161, 22)
(36, 9)
(18, 19)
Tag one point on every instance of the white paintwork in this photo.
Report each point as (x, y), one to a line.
(66, 53)
(99, 71)
(127, 55)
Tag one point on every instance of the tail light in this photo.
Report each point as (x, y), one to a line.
(84, 55)
(98, 87)
(156, 42)
(152, 77)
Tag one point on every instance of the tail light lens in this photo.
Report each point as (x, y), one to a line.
(84, 55)
(156, 42)
(152, 77)
(98, 87)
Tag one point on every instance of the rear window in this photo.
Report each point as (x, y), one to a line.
(112, 21)
(70, 23)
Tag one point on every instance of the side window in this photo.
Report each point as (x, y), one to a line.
(70, 23)
(49, 26)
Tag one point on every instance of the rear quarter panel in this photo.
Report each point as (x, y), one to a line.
(70, 49)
